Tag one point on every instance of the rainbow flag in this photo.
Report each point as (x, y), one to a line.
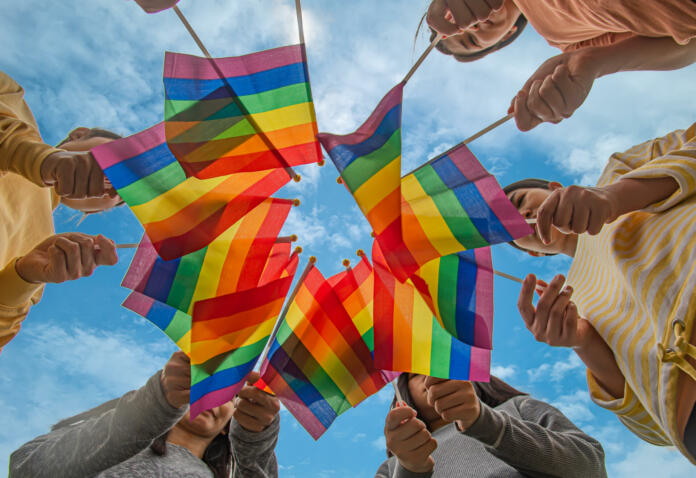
(234, 261)
(410, 338)
(238, 114)
(318, 365)
(228, 335)
(174, 323)
(179, 215)
(448, 205)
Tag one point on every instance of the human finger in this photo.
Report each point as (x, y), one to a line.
(545, 214)
(261, 414)
(415, 441)
(249, 392)
(436, 18)
(430, 381)
(80, 184)
(581, 219)
(595, 222)
(398, 415)
(553, 97)
(554, 329)
(64, 177)
(72, 256)
(536, 104)
(440, 390)
(57, 265)
(570, 323)
(524, 119)
(524, 302)
(563, 213)
(87, 253)
(461, 13)
(544, 305)
(96, 183)
(407, 429)
(106, 254)
(566, 86)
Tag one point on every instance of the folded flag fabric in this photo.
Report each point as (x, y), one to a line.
(228, 335)
(174, 323)
(235, 260)
(318, 364)
(459, 290)
(179, 215)
(245, 113)
(409, 338)
(448, 205)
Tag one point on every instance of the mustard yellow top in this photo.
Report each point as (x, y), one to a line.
(636, 280)
(26, 207)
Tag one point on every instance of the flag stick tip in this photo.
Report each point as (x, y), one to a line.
(293, 237)
(360, 252)
(339, 180)
(312, 259)
(346, 262)
(297, 178)
(321, 162)
(298, 250)
(296, 202)
(373, 234)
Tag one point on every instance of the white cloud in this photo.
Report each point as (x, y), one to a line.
(556, 371)
(575, 406)
(359, 437)
(504, 372)
(587, 162)
(649, 460)
(380, 443)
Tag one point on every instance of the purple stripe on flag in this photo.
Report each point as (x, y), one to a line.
(215, 399)
(389, 376)
(480, 365)
(368, 128)
(483, 328)
(141, 265)
(178, 65)
(501, 206)
(139, 303)
(123, 149)
(467, 163)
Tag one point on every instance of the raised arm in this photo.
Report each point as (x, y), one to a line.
(561, 84)
(97, 441)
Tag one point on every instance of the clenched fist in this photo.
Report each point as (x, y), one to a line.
(409, 440)
(66, 256)
(454, 400)
(176, 379)
(75, 175)
(255, 409)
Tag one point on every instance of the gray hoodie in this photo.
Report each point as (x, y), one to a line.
(113, 440)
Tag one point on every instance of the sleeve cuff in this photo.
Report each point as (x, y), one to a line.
(15, 291)
(401, 472)
(155, 386)
(239, 433)
(488, 427)
(33, 173)
(605, 400)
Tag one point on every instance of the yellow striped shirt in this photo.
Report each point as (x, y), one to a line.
(636, 277)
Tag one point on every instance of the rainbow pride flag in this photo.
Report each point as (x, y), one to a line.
(238, 114)
(234, 261)
(179, 215)
(446, 206)
(228, 335)
(174, 323)
(318, 365)
(410, 338)
(459, 291)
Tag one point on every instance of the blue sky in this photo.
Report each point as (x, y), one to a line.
(99, 63)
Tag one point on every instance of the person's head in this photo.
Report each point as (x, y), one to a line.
(84, 139)
(499, 30)
(527, 195)
(413, 391)
(212, 425)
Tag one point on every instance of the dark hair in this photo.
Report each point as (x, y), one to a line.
(218, 455)
(96, 133)
(491, 393)
(529, 183)
(520, 24)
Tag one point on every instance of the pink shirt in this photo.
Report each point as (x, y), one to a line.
(573, 24)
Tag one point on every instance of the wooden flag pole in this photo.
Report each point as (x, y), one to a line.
(291, 172)
(399, 398)
(300, 26)
(418, 62)
(284, 312)
(507, 276)
(127, 245)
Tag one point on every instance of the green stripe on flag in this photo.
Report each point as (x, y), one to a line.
(440, 351)
(227, 360)
(149, 187)
(364, 167)
(185, 280)
(179, 326)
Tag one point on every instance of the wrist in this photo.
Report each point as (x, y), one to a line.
(22, 272)
(594, 62)
(417, 468)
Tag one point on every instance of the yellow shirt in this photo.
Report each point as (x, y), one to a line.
(638, 276)
(26, 208)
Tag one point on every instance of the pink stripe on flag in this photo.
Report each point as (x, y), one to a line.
(501, 206)
(483, 328)
(138, 303)
(215, 399)
(391, 99)
(123, 149)
(178, 65)
(141, 265)
(480, 368)
(292, 402)
(466, 162)
(389, 376)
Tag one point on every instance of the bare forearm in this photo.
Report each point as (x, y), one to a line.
(635, 194)
(600, 360)
(639, 54)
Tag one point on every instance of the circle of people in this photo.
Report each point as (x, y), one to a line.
(626, 306)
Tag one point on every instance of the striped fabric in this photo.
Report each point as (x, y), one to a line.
(179, 215)
(645, 259)
(409, 338)
(174, 323)
(459, 290)
(448, 205)
(245, 113)
(228, 335)
(234, 261)
(319, 365)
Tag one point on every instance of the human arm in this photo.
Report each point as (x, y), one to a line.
(555, 321)
(541, 443)
(254, 432)
(409, 440)
(154, 6)
(96, 443)
(561, 84)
